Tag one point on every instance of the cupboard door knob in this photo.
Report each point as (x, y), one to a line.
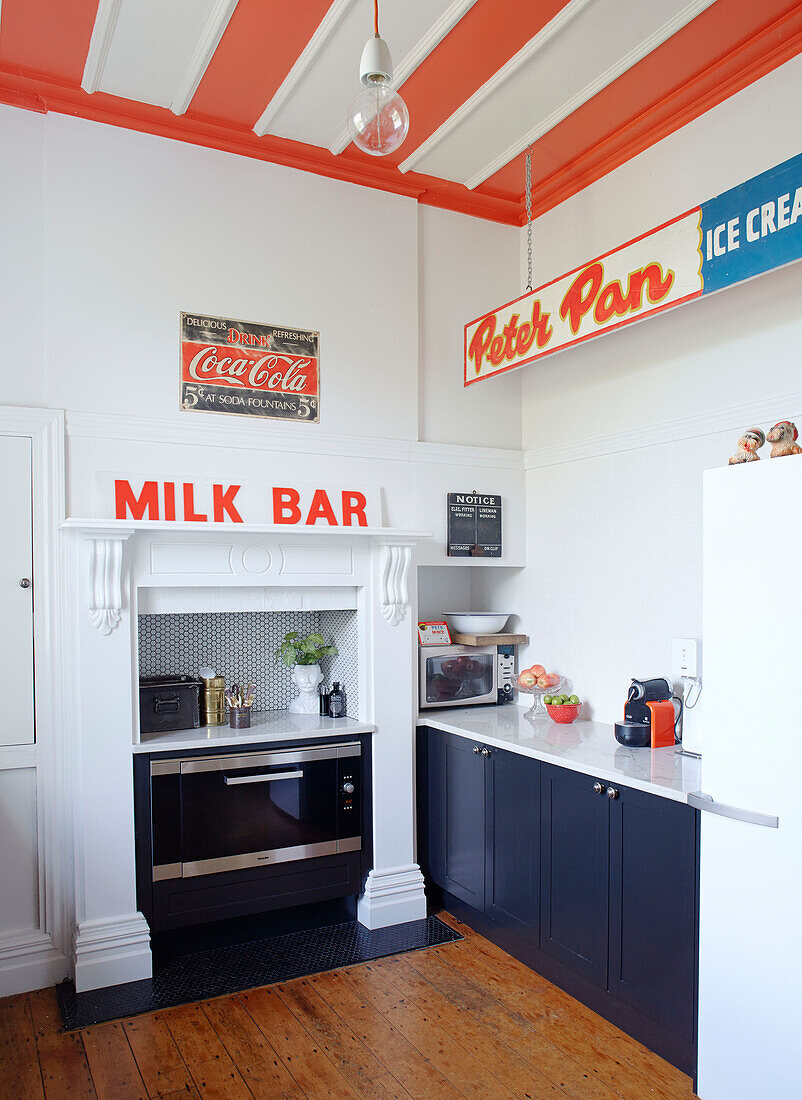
(476, 750)
(25, 583)
(612, 792)
(485, 751)
(598, 787)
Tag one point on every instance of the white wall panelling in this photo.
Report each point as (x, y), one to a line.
(456, 258)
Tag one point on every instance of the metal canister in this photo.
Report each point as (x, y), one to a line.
(212, 701)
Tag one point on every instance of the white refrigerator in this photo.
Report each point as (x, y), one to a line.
(750, 942)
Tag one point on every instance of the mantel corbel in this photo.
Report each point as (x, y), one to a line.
(393, 588)
(105, 577)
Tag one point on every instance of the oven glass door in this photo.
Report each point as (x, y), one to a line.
(459, 678)
(255, 809)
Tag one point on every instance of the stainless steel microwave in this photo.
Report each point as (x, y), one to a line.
(465, 675)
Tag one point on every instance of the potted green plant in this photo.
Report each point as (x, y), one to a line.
(303, 655)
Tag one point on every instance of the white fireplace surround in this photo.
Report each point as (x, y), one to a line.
(116, 566)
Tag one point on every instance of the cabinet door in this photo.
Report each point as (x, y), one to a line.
(16, 564)
(653, 907)
(512, 880)
(574, 872)
(463, 821)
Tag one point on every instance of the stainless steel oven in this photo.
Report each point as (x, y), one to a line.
(212, 814)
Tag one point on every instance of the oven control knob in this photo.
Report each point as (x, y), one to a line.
(348, 788)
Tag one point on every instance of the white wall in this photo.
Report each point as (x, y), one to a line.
(467, 266)
(116, 232)
(619, 430)
(113, 233)
(106, 236)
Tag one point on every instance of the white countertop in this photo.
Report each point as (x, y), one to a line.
(588, 747)
(268, 725)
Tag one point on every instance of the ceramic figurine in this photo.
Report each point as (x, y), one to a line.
(748, 446)
(783, 438)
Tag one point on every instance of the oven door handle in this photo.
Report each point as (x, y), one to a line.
(230, 780)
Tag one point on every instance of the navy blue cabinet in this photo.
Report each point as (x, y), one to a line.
(593, 884)
(653, 907)
(479, 839)
(575, 866)
(512, 860)
(463, 820)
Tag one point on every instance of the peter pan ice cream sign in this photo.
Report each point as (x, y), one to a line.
(742, 233)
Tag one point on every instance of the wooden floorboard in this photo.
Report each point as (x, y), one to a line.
(460, 1020)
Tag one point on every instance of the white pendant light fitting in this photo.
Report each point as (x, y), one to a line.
(378, 120)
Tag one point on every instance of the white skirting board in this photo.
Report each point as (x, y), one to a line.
(30, 962)
(392, 896)
(111, 951)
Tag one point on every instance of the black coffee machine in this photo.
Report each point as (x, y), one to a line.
(649, 717)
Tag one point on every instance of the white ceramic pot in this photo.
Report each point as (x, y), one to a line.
(307, 679)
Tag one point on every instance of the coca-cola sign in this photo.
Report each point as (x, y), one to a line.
(249, 369)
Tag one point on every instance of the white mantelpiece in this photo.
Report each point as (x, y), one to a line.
(115, 562)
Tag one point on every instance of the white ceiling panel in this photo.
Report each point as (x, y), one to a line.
(313, 101)
(587, 46)
(154, 51)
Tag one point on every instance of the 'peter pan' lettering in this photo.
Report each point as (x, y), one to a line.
(586, 292)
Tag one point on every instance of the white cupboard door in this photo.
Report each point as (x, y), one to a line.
(16, 603)
(19, 863)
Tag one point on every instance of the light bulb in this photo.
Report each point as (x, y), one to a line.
(378, 120)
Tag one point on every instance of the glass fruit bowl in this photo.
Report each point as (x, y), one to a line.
(538, 710)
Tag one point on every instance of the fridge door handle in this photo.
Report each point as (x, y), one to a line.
(701, 801)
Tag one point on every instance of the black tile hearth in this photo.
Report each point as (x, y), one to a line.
(223, 970)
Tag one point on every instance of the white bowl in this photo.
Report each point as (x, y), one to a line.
(476, 622)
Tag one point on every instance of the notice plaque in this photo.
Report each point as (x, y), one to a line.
(249, 369)
(474, 525)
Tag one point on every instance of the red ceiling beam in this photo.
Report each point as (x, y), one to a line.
(37, 92)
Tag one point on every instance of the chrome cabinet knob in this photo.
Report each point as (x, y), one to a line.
(25, 583)
(485, 751)
(612, 792)
(598, 787)
(348, 788)
(476, 750)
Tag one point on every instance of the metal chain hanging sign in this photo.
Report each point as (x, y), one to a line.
(744, 232)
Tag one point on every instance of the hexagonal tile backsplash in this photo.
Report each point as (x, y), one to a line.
(241, 646)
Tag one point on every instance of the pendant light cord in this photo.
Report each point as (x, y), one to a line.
(376, 18)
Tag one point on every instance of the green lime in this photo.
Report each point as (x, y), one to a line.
(547, 700)
(574, 698)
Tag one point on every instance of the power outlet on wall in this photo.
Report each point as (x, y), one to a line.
(685, 658)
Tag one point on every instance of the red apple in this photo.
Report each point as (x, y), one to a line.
(552, 679)
(526, 680)
(537, 671)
